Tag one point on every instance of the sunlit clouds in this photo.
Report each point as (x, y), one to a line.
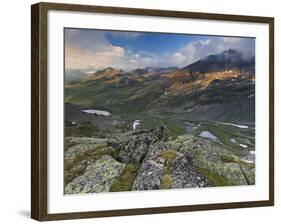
(94, 49)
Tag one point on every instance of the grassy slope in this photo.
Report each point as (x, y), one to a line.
(146, 101)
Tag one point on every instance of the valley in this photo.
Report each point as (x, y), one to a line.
(210, 104)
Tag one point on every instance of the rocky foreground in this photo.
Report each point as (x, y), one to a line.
(141, 160)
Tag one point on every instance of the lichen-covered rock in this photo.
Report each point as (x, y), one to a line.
(98, 165)
(98, 177)
(249, 173)
(151, 171)
(82, 152)
(186, 175)
(149, 177)
(219, 165)
(231, 171)
(76, 145)
(133, 145)
(163, 168)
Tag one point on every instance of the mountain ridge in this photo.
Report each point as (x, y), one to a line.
(228, 60)
(219, 94)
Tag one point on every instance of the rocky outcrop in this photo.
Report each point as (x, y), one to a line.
(98, 177)
(219, 165)
(186, 175)
(141, 160)
(152, 169)
(76, 145)
(163, 168)
(133, 145)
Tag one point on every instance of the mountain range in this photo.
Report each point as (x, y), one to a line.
(218, 87)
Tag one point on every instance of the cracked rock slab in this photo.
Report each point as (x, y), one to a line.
(133, 145)
(98, 177)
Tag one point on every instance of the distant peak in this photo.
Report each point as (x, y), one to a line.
(230, 50)
(229, 59)
(111, 69)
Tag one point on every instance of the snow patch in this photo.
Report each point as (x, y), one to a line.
(207, 134)
(244, 146)
(235, 125)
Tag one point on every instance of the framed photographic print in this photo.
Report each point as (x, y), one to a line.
(139, 111)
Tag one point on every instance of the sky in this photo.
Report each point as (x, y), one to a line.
(90, 50)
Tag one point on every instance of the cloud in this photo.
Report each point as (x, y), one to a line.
(124, 34)
(86, 49)
(196, 50)
(244, 45)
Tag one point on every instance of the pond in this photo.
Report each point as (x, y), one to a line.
(97, 112)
